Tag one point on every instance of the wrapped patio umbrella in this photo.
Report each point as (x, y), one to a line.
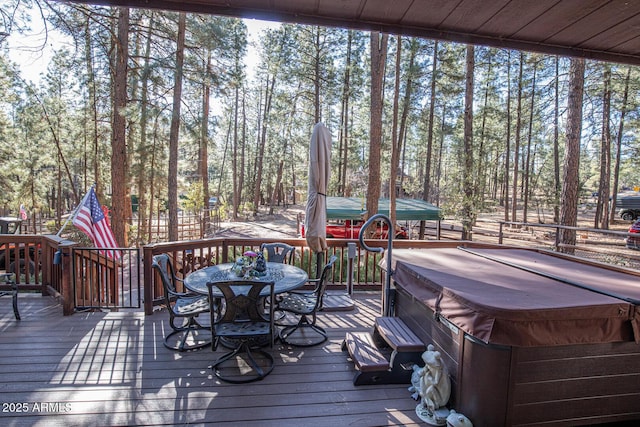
(319, 174)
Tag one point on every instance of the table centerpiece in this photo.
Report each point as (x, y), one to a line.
(250, 264)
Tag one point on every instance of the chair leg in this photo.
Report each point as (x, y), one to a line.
(239, 377)
(16, 313)
(181, 344)
(302, 325)
(226, 356)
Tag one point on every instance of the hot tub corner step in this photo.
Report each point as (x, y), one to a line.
(398, 335)
(364, 353)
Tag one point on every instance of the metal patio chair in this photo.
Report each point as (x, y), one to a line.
(306, 305)
(184, 309)
(281, 253)
(239, 322)
(278, 252)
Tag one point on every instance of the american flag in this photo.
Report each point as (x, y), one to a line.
(92, 222)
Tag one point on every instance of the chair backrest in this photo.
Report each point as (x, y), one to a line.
(323, 281)
(162, 264)
(278, 252)
(242, 303)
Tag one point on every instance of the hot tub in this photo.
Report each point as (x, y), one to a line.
(529, 337)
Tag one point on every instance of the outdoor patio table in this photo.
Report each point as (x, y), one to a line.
(286, 277)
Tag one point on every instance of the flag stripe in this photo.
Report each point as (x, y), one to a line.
(83, 222)
(92, 222)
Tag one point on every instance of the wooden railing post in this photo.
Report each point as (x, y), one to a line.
(148, 291)
(225, 251)
(47, 269)
(66, 289)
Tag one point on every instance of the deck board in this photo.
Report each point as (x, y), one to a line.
(111, 368)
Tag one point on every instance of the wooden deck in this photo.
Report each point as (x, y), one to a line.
(111, 368)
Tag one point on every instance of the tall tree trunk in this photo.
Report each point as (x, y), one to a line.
(399, 135)
(278, 185)
(438, 173)
(468, 213)
(223, 166)
(203, 153)
(602, 207)
(507, 151)
(480, 172)
(406, 107)
(426, 186)
(144, 175)
(243, 150)
(616, 168)
(379, 43)
(175, 131)
(152, 184)
(556, 146)
(395, 154)
(237, 168)
(344, 117)
(516, 148)
(58, 190)
(262, 144)
(91, 86)
(277, 193)
(569, 207)
(527, 172)
(119, 162)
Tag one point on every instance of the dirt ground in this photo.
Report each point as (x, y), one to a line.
(283, 223)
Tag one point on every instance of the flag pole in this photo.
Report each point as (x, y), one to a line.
(75, 211)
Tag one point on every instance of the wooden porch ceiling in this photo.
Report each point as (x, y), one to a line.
(607, 30)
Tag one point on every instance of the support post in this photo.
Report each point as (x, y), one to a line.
(351, 255)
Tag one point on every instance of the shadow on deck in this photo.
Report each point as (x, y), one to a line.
(111, 368)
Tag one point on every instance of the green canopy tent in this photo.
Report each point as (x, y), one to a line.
(345, 208)
(406, 209)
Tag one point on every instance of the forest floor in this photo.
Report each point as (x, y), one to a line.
(594, 244)
(284, 222)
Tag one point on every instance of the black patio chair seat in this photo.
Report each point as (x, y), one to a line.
(298, 302)
(191, 305)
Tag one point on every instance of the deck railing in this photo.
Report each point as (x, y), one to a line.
(43, 263)
(192, 255)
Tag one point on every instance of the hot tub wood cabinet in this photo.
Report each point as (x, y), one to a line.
(530, 338)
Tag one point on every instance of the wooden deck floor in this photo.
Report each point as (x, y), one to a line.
(112, 369)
